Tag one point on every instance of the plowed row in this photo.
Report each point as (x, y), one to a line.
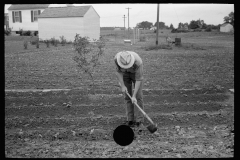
(191, 123)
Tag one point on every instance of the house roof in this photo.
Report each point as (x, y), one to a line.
(28, 6)
(57, 12)
(224, 24)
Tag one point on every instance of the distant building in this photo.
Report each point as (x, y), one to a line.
(117, 29)
(153, 28)
(6, 21)
(25, 16)
(226, 27)
(69, 21)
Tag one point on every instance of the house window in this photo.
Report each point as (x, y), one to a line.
(35, 14)
(16, 16)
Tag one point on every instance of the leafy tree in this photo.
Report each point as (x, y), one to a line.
(185, 24)
(180, 25)
(194, 24)
(161, 25)
(200, 23)
(229, 18)
(204, 26)
(145, 25)
(171, 26)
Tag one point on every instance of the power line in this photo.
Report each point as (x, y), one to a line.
(176, 13)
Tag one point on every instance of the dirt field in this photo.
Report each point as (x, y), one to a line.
(186, 92)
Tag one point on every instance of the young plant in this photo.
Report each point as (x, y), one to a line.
(7, 31)
(88, 54)
(52, 40)
(25, 44)
(47, 42)
(21, 32)
(62, 40)
(56, 43)
(37, 43)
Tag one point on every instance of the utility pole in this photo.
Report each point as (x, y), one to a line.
(157, 24)
(128, 21)
(124, 22)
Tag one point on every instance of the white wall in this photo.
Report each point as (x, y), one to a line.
(26, 21)
(227, 28)
(92, 24)
(56, 27)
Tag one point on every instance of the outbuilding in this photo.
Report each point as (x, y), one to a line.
(226, 27)
(69, 21)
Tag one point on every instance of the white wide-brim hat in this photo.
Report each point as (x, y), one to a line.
(125, 59)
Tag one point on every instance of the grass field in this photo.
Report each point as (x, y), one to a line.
(186, 92)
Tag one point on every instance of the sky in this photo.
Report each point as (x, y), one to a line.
(111, 15)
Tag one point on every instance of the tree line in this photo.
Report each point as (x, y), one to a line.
(194, 24)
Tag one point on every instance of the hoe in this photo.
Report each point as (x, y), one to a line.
(152, 127)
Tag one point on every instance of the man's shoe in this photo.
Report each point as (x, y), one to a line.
(140, 126)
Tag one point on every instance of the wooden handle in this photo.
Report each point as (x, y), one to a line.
(141, 109)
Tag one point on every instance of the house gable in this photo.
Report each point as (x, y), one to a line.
(63, 12)
(225, 24)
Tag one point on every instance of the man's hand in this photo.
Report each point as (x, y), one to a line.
(124, 89)
(134, 100)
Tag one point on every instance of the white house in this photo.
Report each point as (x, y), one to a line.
(25, 16)
(153, 28)
(226, 27)
(6, 21)
(69, 21)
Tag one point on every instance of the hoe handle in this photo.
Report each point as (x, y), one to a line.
(141, 110)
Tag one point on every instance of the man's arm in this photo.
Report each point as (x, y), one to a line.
(139, 79)
(120, 79)
(137, 86)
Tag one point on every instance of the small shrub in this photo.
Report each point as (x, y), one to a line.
(198, 30)
(56, 42)
(208, 29)
(20, 32)
(143, 39)
(69, 42)
(174, 31)
(25, 44)
(26, 33)
(62, 40)
(35, 33)
(88, 55)
(156, 47)
(52, 41)
(37, 43)
(47, 42)
(7, 31)
(33, 42)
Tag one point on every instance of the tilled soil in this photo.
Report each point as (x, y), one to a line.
(79, 123)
